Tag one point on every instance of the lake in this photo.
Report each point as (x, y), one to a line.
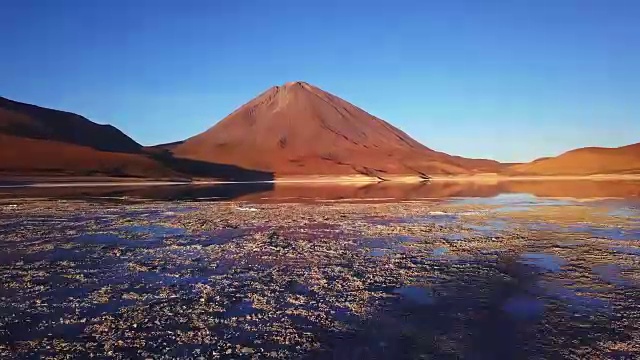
(518, 269)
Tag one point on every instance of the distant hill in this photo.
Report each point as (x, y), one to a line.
(40, 141)
(585, 161)
(37, 141)
(34, 122)
(299, 129)
(27, 156)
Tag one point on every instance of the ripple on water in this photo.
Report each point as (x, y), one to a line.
(524, 307)
(626, 250)
(627, 212)
(437, 218)
(581, 301)
(344, 314)
(519, 200)
(54, 255)
(216, 237)
(154, 230)
(380, 246)
(110, 239)
(569, 244)
(611, 233)
(489, 228)
(377, 244)
(513, 208)
(299, 288)
(416, 294)
(546, 262)
(378, 252)
(453, 237)
(440, 251)
(611, 273)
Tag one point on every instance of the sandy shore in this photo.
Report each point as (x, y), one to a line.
(483, 178)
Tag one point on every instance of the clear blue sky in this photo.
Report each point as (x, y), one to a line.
(509, 80)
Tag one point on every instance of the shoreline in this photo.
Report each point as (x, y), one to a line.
(50, 182)
(483, 177)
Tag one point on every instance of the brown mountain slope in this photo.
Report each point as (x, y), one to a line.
(30, 121)
(585, 161)
(25, 156)
(41, 141)
(46, 142)
(298, 129)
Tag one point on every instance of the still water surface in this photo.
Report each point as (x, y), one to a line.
(378, 192)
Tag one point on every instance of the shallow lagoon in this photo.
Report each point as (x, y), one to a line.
(501, 276)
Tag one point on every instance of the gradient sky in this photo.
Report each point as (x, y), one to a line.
(508, 80)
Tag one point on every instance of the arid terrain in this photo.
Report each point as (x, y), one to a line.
(45, 144)
(293, 131)
(585, 161)
(40, 141)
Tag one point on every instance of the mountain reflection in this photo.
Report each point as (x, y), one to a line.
(385, 191)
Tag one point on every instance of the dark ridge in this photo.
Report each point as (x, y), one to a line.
(31, 121)
(204, 169)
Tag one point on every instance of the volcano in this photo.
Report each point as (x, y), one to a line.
(299, 129)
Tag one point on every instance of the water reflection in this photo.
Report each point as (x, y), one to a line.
(508, 194)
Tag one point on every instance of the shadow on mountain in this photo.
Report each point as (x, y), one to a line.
(35, 122)
(196, 168)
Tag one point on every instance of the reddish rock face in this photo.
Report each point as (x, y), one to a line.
(298, 129)
(41, 141)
